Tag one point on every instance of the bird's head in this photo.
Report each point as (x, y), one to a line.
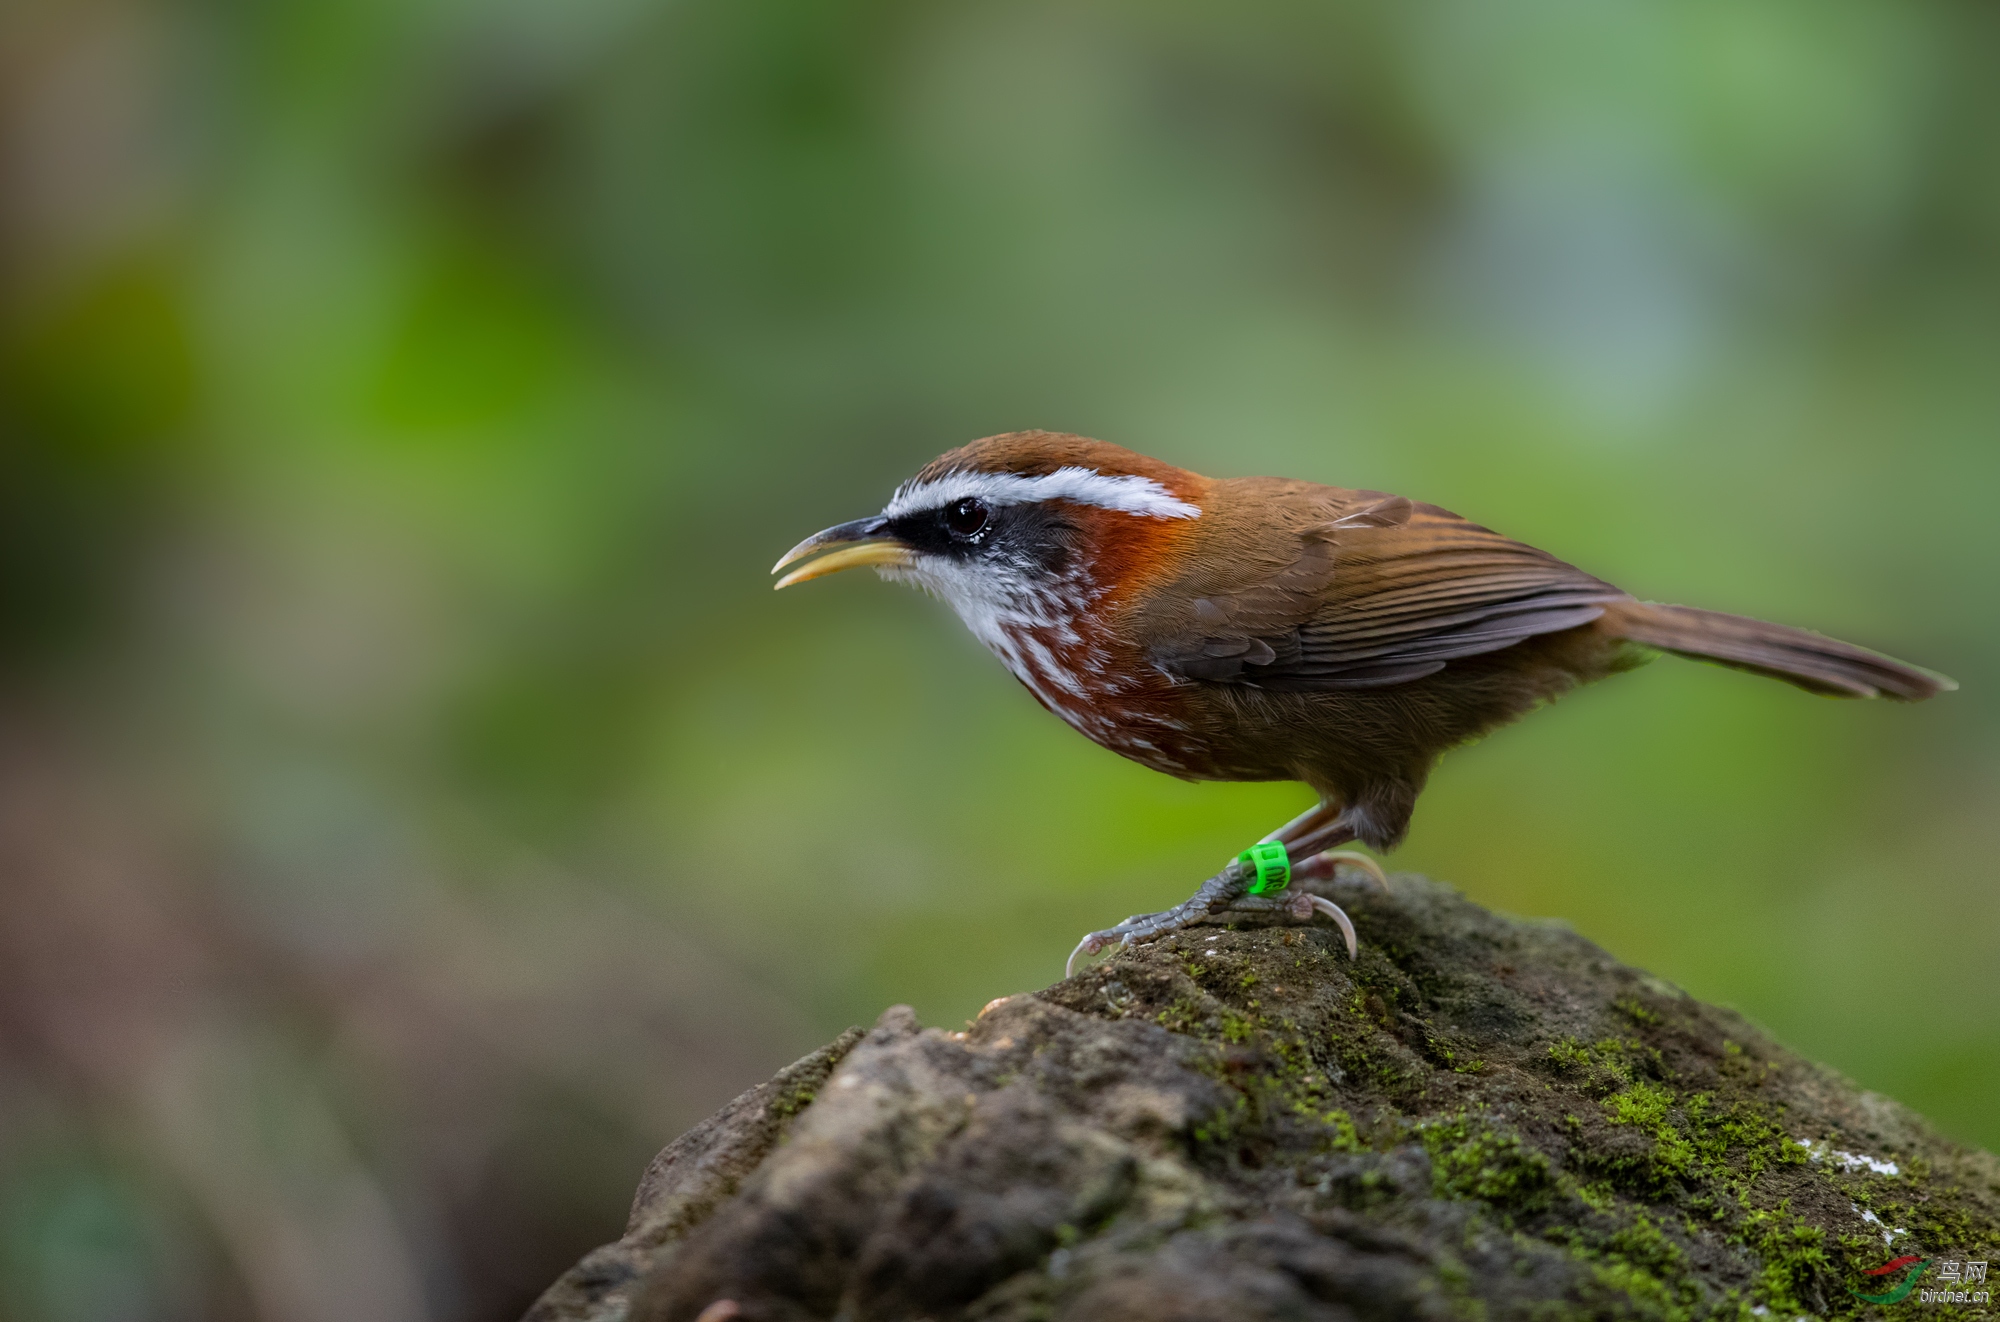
(1008, 525)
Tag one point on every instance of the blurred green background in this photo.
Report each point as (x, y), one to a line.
(415, 808)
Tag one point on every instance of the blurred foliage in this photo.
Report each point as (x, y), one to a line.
(415, 808)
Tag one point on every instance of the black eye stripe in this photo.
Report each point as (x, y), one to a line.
(1041, 534)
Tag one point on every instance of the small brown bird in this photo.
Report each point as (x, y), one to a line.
(1259, 628)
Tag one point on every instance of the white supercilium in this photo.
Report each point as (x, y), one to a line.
(1128, 493)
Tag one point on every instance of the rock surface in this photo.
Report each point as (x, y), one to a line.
(1479, 1117)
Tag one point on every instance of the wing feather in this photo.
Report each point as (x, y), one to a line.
(1384, 593)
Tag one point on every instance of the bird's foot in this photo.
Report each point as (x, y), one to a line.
(1219, 892)
(1224, 897)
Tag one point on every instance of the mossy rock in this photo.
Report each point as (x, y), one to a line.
(1477, 1118)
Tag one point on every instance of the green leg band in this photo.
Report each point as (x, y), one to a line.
(1269, 866)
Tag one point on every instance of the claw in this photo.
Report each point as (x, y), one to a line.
(1333, 911)
(1327, 864)
(1361, 861)
(1090, 945)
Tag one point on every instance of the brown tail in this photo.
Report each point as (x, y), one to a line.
(1814, 663)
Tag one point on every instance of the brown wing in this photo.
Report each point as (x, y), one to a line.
(1383, 593)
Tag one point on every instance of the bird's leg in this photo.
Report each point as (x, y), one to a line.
(1312, 819)
(1317, 859)
(1307, 837)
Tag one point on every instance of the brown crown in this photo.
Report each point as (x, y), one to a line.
(1035, 453)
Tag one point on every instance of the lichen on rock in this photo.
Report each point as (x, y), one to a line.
(1478, 1117)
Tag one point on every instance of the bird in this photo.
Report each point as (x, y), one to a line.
(1272, 629)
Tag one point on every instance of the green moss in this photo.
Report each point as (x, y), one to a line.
(1704, 1155)
(1569, 1055)
(1640, 1286)
(1648, 1107)
(1184, 1016)
(1692, 1138)
(1341, 1135)
(1606, 1066)
(1224, 1125)
(1935, 1221)
(1791, 1250)
(790, 1104)
(1454, 1055)
(1642, 1242)
(1237, 1028)
(1470, 1159)
(1457, 1283)
(1643, 1106)
(1739, 1144)
(1633, 1009)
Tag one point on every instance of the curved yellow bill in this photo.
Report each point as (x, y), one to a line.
(858, 542)
(849, 556)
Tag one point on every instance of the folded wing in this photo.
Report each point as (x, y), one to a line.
(1384, 592)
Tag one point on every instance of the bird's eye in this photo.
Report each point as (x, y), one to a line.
(967, 517)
